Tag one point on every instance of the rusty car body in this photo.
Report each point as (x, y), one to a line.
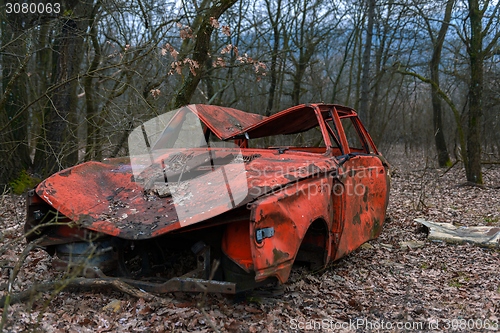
(249, 195)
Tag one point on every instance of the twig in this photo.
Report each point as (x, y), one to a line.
(4, 193)
(444, 173)
(24, 296)
(202, 303)
(8, 298)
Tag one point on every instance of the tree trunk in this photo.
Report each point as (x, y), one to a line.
(365, 78)
(439, 138)
(275, 21)
(476, 56)
(209, 83)
(92, 150)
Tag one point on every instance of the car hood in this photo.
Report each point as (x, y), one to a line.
(178, 189)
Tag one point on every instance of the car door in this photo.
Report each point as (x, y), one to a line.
(364, 186)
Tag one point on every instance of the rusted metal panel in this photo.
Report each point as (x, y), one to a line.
(225, 122)
(260, 208)
(289, 212)
(364, 191)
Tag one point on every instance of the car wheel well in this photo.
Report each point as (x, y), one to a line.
(313, 247)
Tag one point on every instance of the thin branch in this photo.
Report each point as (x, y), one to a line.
(60, 285)
(8, 298)
(59, 85)
(13, 79)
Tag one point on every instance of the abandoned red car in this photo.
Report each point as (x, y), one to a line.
(216, 199)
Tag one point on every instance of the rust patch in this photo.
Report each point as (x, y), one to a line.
(376, 228)
(365, 195)
(313, 169)
(278, 255)
(356, 219)
(65, 173)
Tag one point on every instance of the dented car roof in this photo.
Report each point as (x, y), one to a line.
(224, 122)
(296, 119)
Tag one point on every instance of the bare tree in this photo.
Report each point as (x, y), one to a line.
(478, 52)
(58, 146)
(365, 77)
(207, 12)
(434, 64)
(439, 138)
(274, 15)
(14, 122)
(312, 21)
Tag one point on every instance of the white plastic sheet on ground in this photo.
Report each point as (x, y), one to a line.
(482, 235)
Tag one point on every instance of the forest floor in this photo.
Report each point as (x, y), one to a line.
(385, 286)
